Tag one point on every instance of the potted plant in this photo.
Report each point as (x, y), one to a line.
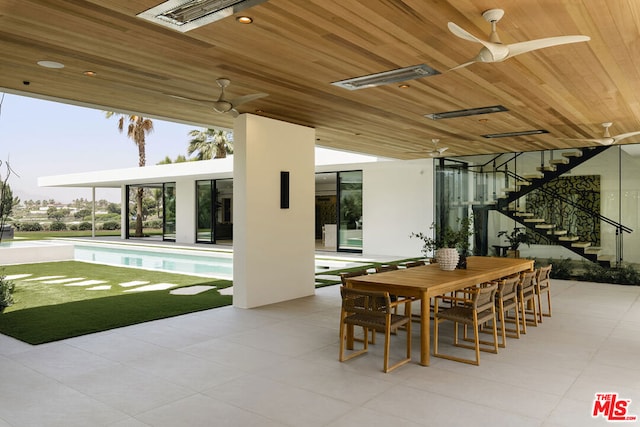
(450, 246)
(6, 292)
(516, 237)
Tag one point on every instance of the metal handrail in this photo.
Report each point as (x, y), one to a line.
(609, 221)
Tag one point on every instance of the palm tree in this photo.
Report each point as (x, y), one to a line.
(209, 142)
(137, 130)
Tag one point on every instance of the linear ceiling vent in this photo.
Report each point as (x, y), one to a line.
(186, 15)
(387, 77)
(516, 133)
(467, 112)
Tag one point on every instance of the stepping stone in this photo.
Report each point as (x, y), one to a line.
(191, 290)
(16, 276)
(66, 280)
(86, 283)
(100, 288)
(134, 283)
(154, 287)
(226, 291)
(43, 278)
(327, 277)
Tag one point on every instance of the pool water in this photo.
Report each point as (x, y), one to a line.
(216, 264)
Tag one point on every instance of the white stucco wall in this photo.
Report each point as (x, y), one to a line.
(273, 248)
(397, 201)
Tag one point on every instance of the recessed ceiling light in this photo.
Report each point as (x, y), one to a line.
(244, 19)
(50, 64)
(89, 73)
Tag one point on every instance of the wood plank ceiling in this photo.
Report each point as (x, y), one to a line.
(295, 48)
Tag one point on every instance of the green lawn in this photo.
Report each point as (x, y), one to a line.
(47, 311)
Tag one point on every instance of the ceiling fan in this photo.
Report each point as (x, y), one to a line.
(607, 139)
(494, 51)
(223, 105)
(435, 152)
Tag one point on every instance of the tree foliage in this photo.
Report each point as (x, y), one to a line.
(137, 130)
(210, 143)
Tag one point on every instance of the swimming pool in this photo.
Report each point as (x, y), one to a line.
(197, 262)
(213, 264)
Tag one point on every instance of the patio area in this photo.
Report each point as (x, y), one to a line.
(277, 366)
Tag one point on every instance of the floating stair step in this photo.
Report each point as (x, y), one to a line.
(545, 226)
(523, 214)
(549, 168)
(606, 258)
(581, 244)
(509, 190)
(562, 161)
(539, 220)
(592, 250)
(523, 183)
(572, 154)
(568, 238)
(559, 232)
(533, 176)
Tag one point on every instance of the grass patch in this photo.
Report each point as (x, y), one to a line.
(45, 312)
(42, 235)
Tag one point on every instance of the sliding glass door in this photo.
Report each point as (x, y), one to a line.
(214, 207)
(350, 211)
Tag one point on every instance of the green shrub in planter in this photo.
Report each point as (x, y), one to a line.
(111, 225)
(58, 226)
(29, 226)
(84, 226)
(155, 223)
(6, 292)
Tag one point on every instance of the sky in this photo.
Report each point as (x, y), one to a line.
(42, 138)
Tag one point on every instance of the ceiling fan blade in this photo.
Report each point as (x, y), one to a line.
(622, 136)
(247, 98)
(492, 52)
(184, 98)
(601, 141)
(443, 149)
(464, 34)
(466, 64)
(234, 113)
(528, 46)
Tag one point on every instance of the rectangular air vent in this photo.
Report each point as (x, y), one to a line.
(467, 112)
(517, 133)
(186, 15)
(387, 77)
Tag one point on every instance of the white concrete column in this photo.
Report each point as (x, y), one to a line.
(185, 211)
(123, 212)
(273, 248)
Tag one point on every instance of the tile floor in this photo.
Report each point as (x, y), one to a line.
(277, 366)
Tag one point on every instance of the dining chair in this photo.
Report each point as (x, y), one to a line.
(543, 285)
(372, 310)
(475, 308)
(506, 301)
(388, 267)
(527, 299)
(412, 264)
(355, 273)
(394, 298)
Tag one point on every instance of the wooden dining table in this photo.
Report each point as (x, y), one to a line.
(425, 282)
